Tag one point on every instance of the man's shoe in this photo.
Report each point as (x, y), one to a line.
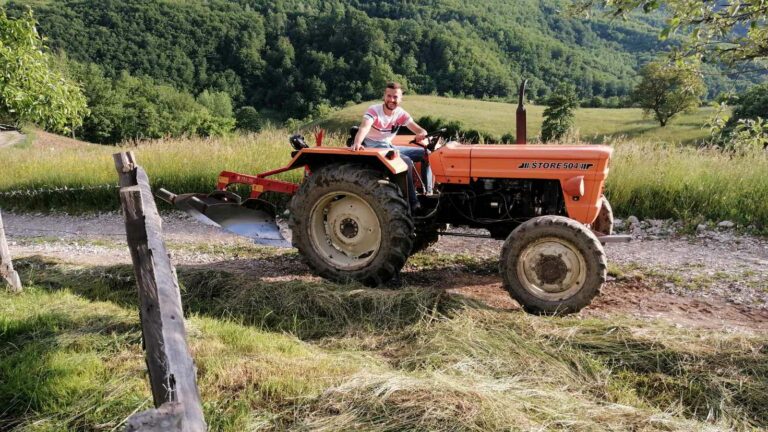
(416, 206)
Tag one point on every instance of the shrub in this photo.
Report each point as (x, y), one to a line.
(247, 118)
(751, 104)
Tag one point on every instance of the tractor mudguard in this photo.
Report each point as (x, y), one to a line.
(387, 159)
(316, 157)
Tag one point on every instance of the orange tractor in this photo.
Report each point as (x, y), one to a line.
(351, 221)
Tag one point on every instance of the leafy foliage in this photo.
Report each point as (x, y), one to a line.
(290, 58)
(247, 118)
(218, 104)
(733, 31)
(752, 104)
(558, 116)
(134, 108)
(668, 89)
(31, 88)
(747, 129)
(455, 130)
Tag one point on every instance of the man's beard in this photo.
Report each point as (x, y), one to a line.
(390, 105)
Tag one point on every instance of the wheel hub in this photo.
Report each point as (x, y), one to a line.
(551, 268)
(349, 228)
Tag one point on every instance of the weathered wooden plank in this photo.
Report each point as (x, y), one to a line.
(171, 368)
(6, 265)
(125, 165)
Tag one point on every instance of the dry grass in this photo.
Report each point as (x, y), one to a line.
(70, 358)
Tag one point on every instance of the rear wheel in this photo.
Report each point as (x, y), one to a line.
(350, 223)
(604, 221)
(552, 265)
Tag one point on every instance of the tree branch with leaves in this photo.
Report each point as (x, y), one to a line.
(729, 31)
(31, 88)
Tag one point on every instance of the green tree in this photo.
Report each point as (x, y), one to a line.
(733, 31)
(31, 88)
(747, 127)
(558, 116)
(218, 103)
(247, 118)
(752, 104)
(136, 108)
(668, 89)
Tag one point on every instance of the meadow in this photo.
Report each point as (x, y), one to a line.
(299, 353)
(285, 354)
(594, 125)
(654, 173)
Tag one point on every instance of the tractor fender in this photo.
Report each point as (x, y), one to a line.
(316, 157)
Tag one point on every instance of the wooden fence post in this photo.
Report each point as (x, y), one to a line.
(6, 265)
(171, 368)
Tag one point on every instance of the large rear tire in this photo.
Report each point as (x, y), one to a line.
(552, 265)
(604, 221)
(349, 222)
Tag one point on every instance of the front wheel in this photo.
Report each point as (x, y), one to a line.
(552, 265)
(350, 223)
(604, 221)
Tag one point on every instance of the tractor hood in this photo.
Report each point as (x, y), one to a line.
(458, 163)
(581, 170)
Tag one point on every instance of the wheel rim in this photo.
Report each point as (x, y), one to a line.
(345, 230)
(551, 268)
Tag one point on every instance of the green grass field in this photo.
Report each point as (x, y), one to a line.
(596, 125)
(289, 354)
(647, 179)
(293, 355)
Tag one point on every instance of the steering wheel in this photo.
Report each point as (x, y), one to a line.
(433, 139)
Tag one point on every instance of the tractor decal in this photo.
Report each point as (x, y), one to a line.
(556, 165)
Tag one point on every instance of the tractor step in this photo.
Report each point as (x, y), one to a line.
(614, 238)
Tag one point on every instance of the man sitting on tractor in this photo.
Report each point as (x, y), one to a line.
(380, 124)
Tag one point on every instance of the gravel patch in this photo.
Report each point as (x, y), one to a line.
(716, 263)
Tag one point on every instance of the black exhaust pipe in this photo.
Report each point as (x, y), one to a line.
(520, 125)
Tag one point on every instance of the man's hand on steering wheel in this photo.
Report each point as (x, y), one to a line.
(420, 140)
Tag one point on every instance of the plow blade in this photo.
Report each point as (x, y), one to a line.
(251, 218)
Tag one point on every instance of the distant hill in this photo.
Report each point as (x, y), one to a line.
(496, 119)
(293, 58)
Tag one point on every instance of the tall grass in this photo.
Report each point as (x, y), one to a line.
(647, 180)
(179, 165)
(657, 181)
(71, 359)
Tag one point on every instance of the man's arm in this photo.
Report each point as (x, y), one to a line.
(418, 130)
(362, 132)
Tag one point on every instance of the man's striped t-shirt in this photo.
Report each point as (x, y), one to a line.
(385, 126)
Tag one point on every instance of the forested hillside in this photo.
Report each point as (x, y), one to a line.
(292, 58)
(292, 55)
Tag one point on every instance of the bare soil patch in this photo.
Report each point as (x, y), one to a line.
(49, 141)
(716, 280)
(9, 138)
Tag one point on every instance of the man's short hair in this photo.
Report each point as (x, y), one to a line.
(394, 85)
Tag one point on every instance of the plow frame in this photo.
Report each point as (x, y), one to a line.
(259, 183)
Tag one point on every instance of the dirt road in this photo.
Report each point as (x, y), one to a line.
(716, 279)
